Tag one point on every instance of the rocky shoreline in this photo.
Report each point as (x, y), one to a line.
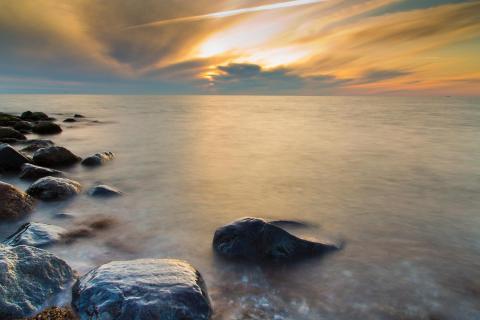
(31, 278)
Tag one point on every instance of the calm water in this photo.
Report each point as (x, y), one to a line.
(397, 179)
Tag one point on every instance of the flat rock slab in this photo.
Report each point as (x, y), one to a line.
(14, 204)
(32, 172)
(11, 159)
(54, 157)
(30, 278)
(255, 239)
(144, 289)
(54, 188)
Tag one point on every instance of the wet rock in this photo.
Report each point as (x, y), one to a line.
(36, 235)
(46, 127)
(55, 313)
(98, 159)
(10, 133)
(104, 191)
(14, 204)
(54, 188)
(35, 144)
(30, 278)
(32, 172)
(142, 289)
(11, 159)
(255, 239)
(8, 119)
(23, 126)
(70, 120)
(54, 157)
(76, 115)
(34, 116)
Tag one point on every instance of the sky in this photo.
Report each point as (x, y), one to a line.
(269, 47)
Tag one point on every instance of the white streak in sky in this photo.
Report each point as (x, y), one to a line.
(229, 13)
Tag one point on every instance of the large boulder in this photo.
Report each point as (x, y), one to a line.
(36, 234)
(55, 157)
(10, 133)
(54, 188)
(144, 289)
(34, 116)
(11, 159)
(98, 159)
(14, 204)
(30, 279)
(8, 119)
(46, 127)
(32, 172)
(104, 191)
(255, 239)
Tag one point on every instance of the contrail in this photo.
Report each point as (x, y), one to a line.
(229, 13)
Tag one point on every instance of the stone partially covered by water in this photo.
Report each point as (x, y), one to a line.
(255, 239)
(46, 127)
(11, 159)
(54, 188)
(14, 204)
(32, 172)
(36, 234)
(10, 133)
(30, 279)
(98, 159)
(54, 157)
(104, 191)
(142, 289)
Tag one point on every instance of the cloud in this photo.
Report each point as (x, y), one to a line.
(381, 75)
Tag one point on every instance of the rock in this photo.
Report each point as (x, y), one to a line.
(8, 119)
(255, 239)
(10, 133)
(76, 115)
(46, 127)
(14, 204)
(98, 159)
(70, 120)
(55, 313)
(53, 188)
(30, 278)
(142, 289)
(104, 191)
(35, 144)
(36, 235)
(11, 159)
(34, 116)
(54, 157)
(23, 126)
(32, 172)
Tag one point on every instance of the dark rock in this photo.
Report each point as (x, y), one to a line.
(70, 120)
(142, 289)
(8, 119)
(11, 159)
(64, 215)
(35, 144)
(36, 235)
(31, 172)
(30, 278)
(14, 204)
(46, 127)
(257, 240)
(54, 157)
(78, 116)
(10, 140)
(53, 188)
(23, 126)
(10, 133)
(98, 159)
(34, 116)
(104, 191)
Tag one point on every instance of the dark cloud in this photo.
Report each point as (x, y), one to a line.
(381, 75)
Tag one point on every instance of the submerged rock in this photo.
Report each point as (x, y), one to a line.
(32, 172)
(98, 159)
(54, 188)
(14, 204)
(10, 133)
(142, 289)
(70, 120)
(34, 116)
(35, 144)
(36, 235)
(104, 191)
(46, 127)
(30, 278)
(11, 159)
(255, 239)
(54, 157)
(76, 115)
